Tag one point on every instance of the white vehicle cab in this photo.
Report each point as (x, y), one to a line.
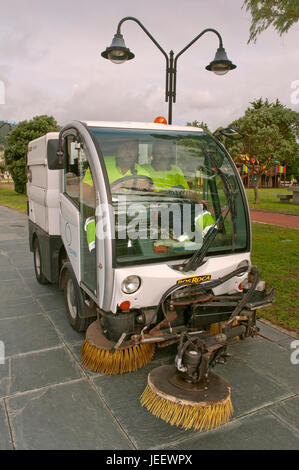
(146, 227)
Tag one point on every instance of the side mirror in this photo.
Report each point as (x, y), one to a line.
(230, 132)
(54, 155)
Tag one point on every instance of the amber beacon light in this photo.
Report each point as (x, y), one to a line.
(160, 120)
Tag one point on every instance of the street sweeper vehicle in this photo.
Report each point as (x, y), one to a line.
(146, 229)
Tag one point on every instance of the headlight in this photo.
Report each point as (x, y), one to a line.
(131, 284)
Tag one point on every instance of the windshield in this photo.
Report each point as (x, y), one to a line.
(168, 189)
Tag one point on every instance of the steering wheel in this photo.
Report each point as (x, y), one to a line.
(138, 182)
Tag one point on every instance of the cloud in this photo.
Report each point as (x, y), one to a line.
(50, 61)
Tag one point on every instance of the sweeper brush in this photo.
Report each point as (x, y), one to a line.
(186, 405)
(100, 354)
(187, 394)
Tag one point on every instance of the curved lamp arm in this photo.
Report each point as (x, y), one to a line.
(144, 29)
(131, 18)
(196, 38)
(187, 47)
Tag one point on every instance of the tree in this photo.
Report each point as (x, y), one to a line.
(17, 143)
(270, 132)
(282, 14)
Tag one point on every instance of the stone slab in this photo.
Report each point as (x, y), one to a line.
(64, 417)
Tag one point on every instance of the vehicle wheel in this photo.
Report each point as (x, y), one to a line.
(74, 303)
(37, 259)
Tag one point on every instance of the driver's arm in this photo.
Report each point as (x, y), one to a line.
(196, 197)
(189, 193)
(87, 189)
(88, 194)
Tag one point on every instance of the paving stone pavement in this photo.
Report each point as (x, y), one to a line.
(49, 400)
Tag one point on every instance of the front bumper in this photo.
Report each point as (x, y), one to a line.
(193, 308)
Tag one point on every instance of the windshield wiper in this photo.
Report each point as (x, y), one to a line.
(196, 260)
(229, 192)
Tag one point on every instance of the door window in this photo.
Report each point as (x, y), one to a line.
(79, 186)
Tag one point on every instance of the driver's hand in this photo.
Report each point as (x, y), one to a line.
(123, 186)
(136, 185)
(142, 185)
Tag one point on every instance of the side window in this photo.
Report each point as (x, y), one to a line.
(77, 172)
(71, 173)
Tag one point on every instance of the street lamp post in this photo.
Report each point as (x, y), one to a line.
(118, 53)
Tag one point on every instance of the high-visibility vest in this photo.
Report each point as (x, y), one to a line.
(203, 222)
(166, 179)
(114, 172)
(90, 229)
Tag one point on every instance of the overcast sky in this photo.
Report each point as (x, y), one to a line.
(50, 61)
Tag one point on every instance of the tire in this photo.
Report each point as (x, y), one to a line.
(37, 260)
(74, 305)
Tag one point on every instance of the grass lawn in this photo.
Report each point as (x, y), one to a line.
(9, 198)
(270, 202)
(276, 254)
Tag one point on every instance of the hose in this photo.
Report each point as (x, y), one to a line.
(247, 296)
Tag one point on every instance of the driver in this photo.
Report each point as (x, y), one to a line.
(162, 170)
(166, 175)
(118, 167)
(122, 165)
